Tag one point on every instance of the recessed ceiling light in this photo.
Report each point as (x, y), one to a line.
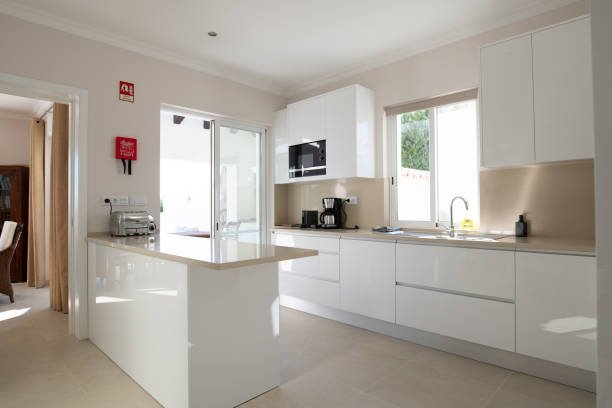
(212, 34)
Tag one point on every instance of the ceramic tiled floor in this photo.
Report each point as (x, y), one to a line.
(325, 364)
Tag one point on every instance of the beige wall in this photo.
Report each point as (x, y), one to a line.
(368, 212)
(34, 51)
(558, 199)
(14, 141)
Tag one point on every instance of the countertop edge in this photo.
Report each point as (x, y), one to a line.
(298, 253)
(496, 245)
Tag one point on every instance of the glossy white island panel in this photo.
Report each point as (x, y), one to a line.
(190, 335)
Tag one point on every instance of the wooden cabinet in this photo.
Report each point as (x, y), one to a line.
(344, 118)
(536, 97)
(467, 318)
(14, 197)
(563, 92)
(506, 97)
(367, 271)
(556, 308)
(480, 272)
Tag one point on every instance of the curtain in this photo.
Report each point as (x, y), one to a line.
(36, 219)
(58, 268)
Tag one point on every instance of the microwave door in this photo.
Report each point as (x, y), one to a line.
(307, 159)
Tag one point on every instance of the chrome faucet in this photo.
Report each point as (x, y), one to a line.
(451, 229)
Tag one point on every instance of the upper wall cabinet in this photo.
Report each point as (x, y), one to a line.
(563, 92)
(344, 118)
(537, 97)
(281, 146)
(507, 103)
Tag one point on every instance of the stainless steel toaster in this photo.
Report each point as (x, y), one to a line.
(127, 223)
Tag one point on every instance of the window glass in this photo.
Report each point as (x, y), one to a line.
(437, 159)
(457, 160)
(413, 173)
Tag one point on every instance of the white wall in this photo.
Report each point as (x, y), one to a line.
(38, 52)
(601, 24)
(444, 70)
(14, 141)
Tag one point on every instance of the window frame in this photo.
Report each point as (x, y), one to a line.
(392, 120)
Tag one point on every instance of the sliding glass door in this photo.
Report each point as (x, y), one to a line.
(239, 181)
(211, 177)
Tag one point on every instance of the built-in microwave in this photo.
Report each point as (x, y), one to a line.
(307, 159)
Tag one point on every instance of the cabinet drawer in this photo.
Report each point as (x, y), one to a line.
(556, 308)
(313, 290)
(472, 319)
(322, 266)
(321, 244)
(472, 271)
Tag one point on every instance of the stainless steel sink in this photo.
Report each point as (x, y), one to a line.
(459, 236)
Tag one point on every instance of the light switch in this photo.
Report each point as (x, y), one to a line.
(116, 199)
(138, 200)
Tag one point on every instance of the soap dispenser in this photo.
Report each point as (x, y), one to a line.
(521, 226)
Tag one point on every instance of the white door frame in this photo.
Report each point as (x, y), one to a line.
(77, 99)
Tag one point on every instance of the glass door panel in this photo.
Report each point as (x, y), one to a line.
(185, 174)
(239, 182)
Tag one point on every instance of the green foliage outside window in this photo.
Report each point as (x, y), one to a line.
(415, 140)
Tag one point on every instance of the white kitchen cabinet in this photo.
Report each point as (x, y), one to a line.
(563, 92)
(556, 317)
(367, 272)
(344, 118)
(281, 146)
(481, 321)
(317, 291)
(536, 97)
(506, 103)
(315, 279)
(306, 120)
(483, 272)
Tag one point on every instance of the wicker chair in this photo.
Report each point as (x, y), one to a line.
(6, 257)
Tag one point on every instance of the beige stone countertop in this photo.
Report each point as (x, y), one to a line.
(511, 243)
(205, 252)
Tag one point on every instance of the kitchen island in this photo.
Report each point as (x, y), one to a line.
(194, 321)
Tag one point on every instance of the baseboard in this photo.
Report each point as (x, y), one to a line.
(560, 373)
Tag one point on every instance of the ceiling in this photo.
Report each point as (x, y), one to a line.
(283, 46)
(18, 107)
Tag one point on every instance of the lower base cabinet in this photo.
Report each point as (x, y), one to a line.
(477, 320)
(367, 276)
(317, 291)
(556, 308)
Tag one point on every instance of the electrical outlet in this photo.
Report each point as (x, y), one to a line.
(351, 200)
(116, 200)
(138, 200)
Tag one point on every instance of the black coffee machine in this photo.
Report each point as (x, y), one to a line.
(333, 215)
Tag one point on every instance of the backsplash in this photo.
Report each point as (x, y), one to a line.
(558, 200)
(370, 210)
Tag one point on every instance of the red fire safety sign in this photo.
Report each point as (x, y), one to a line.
(126, 91)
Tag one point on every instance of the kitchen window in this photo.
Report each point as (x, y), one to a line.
(434, 158)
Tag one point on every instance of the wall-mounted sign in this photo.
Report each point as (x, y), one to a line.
(126, 91)
(126, 148)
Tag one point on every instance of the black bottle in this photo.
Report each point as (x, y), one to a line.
(521, 226)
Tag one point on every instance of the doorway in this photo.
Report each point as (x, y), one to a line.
(75, 100)
(211, 176)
